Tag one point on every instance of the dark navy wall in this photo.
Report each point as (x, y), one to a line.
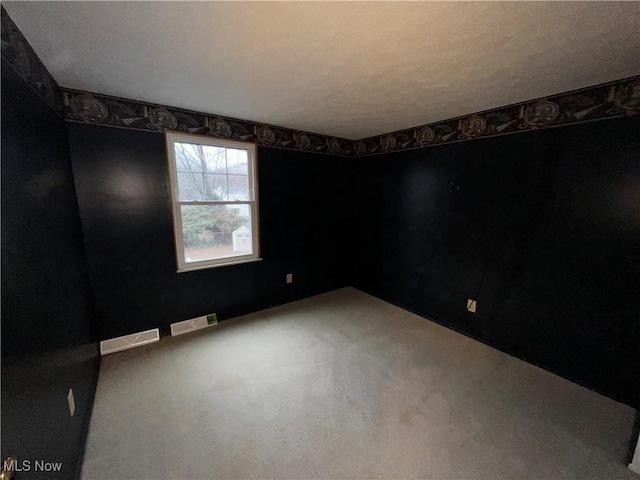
(43, 265)
(48, 339)
(123, 193)
(542, 229)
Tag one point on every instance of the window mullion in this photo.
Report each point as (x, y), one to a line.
(204, 184)
(226, 171)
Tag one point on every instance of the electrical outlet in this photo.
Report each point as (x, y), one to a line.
(72, 402)
(212, 319)
(471, 306)
(289, 277)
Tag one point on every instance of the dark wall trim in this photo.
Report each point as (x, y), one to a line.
(19, 55)
(611, 100)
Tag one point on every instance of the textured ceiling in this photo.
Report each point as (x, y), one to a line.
(351, 70)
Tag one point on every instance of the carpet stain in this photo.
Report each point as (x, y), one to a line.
(228, 383)
(407, 415)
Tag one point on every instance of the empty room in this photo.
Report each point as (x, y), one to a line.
(320, 240)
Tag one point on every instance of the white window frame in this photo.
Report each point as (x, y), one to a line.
(252, 170)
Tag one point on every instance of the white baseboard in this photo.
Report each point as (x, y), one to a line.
(129, 341)
(186, 326)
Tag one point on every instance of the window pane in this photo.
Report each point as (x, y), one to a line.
(190, 186)
(237, 161)
(238, 187)
(216, 231)
(188, 157)
(215, 188)
(215, 159)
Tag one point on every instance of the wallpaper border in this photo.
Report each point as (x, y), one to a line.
(94, 108)
(611, 100)
(18, 54)
(615, 99)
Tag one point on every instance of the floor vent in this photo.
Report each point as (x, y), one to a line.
(129, 341)
(187, 326)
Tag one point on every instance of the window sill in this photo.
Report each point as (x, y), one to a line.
(227, 264)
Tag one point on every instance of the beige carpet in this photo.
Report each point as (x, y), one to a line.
(344, 385)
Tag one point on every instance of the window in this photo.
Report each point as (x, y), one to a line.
(215, 201)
